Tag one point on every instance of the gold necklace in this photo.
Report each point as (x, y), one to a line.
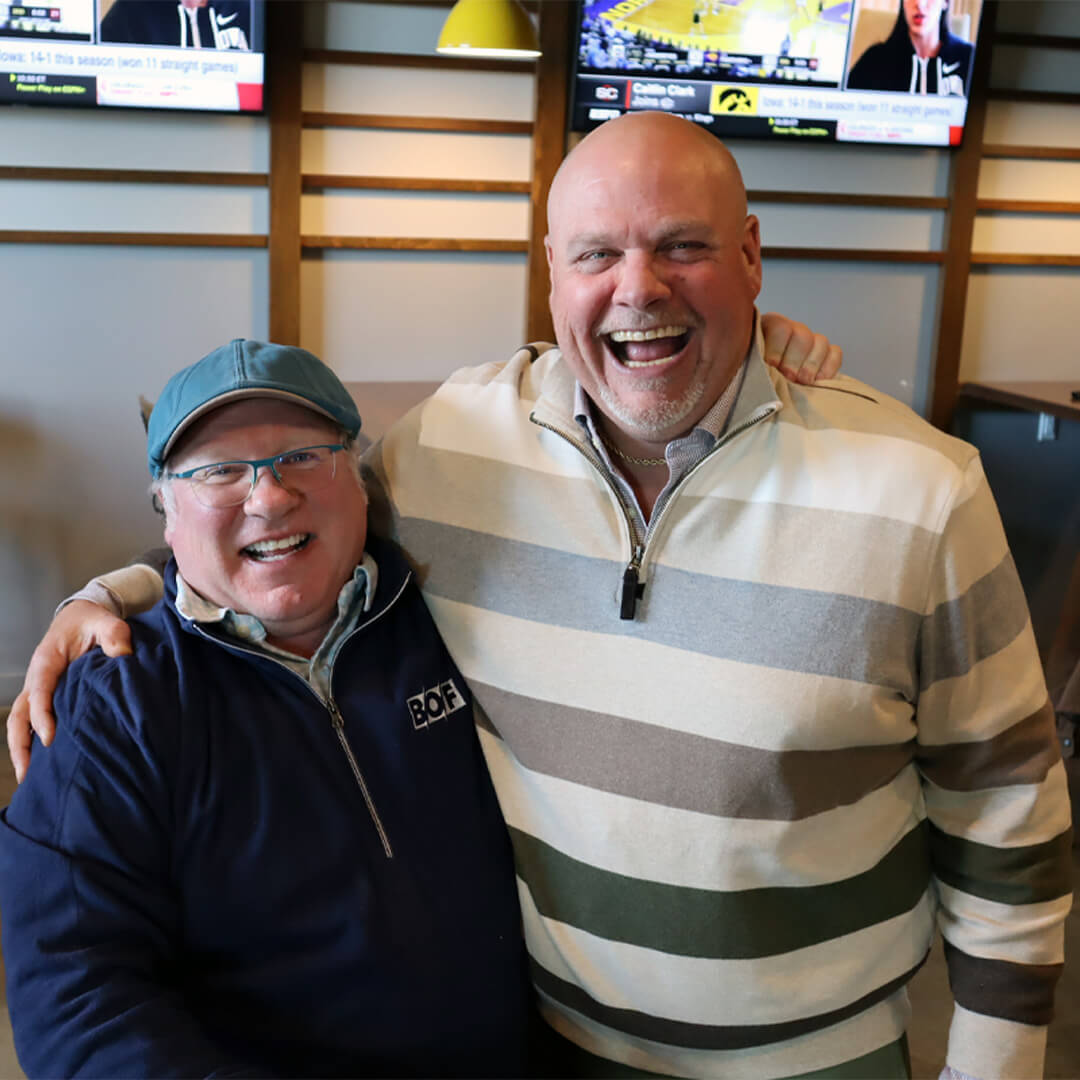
(650, 462)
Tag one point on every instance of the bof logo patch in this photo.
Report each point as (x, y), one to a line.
(434, 704)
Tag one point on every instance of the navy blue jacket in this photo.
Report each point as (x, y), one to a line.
(194, 880)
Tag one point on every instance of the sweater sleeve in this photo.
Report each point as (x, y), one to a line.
(91, 919)
(995, 792)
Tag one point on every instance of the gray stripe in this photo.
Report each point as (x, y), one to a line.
(791, 629)
(1021, 754)
(703, 1036)
(681, 770)
(963, 631)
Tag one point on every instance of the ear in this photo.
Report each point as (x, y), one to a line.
(751, 252)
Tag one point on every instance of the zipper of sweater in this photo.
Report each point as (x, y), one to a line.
(632, 589)
(339, 727)
(336, 719)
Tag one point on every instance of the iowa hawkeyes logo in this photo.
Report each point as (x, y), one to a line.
(732, 100)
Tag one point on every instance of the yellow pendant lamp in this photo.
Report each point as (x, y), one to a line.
(498, 28)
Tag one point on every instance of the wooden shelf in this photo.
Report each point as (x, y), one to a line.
(1036, 97)
(133, 176)
(1026, 206)
(412, 243)
(330, 181)
(1051, 153)
(133, 239)
(822, 198)
(1037, 41)
(1038, 397)
(853, 255)
(416, 123)
(985, 258)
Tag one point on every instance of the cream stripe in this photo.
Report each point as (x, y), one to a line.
(681, 847)
(956, 710)
(766, 990)
(1021, 933)
(1005, 817)
(985, 1046)
(720, 699)
(878, 1026)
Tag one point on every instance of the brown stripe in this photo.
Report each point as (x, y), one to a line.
(1021, 754)
(681, 770)
(702, 1036)
(1023, 993)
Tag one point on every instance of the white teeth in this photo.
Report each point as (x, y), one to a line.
(620, 336)
(268, 547)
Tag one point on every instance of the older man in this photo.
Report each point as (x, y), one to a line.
(264, 843)
(755, 679)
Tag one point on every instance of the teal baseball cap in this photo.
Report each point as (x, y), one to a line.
(245, 369)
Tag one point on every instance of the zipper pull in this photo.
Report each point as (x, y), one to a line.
(632, 588)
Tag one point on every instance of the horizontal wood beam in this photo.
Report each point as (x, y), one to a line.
(133, 239)
(852, 255)
(430, 61)
(321, 181)
(987, 258)
(1034, 97)
(1037, 41)
(416, 123)
(1059, 153)
(132, 176)
(412, 243)
(823, 198)
(1026, 206)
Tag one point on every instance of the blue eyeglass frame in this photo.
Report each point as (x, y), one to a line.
(257, 463)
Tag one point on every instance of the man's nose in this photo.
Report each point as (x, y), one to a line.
(641, 281)
(269, 495)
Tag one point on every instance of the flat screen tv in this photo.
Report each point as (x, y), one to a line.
(157, 54)
(850, 71)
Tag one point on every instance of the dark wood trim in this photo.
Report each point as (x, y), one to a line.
(1026, 206)
(1036, 41)
(1054, 398)
(959, 229)
(549, 148)
(412, 243)
(285, 30)
(1035, 97)
(328, 181)
(132, 176)
(432, 61)
(417, 123)
(1058, 153)
(826, 254)
(823, 198)
(133, 239)
(992, 258)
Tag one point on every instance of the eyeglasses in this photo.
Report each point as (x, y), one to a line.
(230, 483)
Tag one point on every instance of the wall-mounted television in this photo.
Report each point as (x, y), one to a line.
(850, 71)
(156, 54)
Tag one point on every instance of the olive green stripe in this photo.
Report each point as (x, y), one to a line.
(704, 1036)
(718, 925)
(1021, 754)
(1020, 992)
(1014, 875)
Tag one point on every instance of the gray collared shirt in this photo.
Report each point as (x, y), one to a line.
(681, 454)
(354, 599)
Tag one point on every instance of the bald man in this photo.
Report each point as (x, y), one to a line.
(754, 676)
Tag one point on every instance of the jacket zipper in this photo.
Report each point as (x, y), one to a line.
(632, 586)
(336, 719)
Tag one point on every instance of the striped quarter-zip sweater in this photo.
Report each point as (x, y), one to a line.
(738, 816)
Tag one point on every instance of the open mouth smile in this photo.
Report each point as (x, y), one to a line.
(647, 348)
(273, 550)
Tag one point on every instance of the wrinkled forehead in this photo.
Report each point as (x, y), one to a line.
(242, 426)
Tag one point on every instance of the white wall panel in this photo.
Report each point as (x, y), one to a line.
(1017, 123)
(406, 153)
(411, 315)
(1008, 178)
(856, 227)
(477, 95)
(867, 170)
(1026, 234)
(129, 139)
(415, 213)
(1021, 68)
(93, 207)
(884, 316)
(394, 27)
(1020, 323)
